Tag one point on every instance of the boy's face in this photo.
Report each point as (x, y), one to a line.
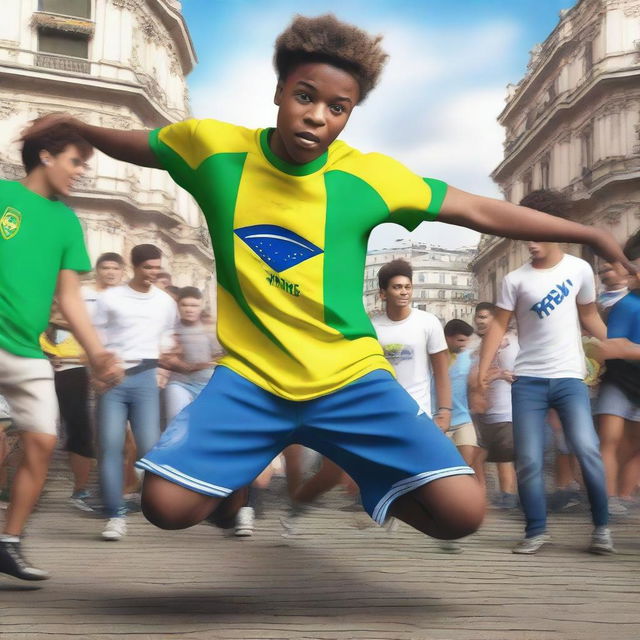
(633, 280)
(163, 282)
(147, 272)
(398, 293)
(190, 309)
(540, 250)
(457, 343)
(315, 102)
(611, 277)
(64, 169)
(482, 320)
(109, 273)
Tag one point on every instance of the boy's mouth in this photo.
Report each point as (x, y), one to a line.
(307, 138)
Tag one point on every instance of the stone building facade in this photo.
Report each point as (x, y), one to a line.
(113, 63)
(442, 281)
(573, 124)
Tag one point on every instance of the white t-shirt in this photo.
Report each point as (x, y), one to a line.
(407, 345)
(499, 393)
(545, 305)
(135, 325)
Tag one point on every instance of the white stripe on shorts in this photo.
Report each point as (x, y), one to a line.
(179, 477)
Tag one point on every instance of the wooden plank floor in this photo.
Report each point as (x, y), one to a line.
(341, 578)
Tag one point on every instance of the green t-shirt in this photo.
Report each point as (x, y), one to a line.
(38, 238)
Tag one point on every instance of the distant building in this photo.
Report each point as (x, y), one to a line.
(115, 63)
(442, 281)
(573, 124)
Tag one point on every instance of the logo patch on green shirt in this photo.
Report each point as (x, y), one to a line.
(10, 223)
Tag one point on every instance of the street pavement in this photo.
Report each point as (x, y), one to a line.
(341, 578)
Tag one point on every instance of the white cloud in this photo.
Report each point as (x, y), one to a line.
(435, 109)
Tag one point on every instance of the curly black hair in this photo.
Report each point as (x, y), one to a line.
(327, 39)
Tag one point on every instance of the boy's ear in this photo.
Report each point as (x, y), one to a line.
(278, 94)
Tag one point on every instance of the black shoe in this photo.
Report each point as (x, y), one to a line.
(13, 563)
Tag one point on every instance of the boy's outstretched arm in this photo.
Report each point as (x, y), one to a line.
(490, 344)
(128, 146)
(501, 218)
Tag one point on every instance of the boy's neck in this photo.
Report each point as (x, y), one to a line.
(190, 323)
(397, 313)
(550, 260)
(35, 181)
(140, 287)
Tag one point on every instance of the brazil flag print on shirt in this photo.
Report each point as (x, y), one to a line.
(290, 245)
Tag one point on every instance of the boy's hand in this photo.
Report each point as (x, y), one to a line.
(613, 349)
(443, 420)
(106, 370)
(606, 246)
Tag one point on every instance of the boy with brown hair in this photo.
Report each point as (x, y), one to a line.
(290, 209)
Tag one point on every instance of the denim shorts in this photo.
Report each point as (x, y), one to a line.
(615, 402)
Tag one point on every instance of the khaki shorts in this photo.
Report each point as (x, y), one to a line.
(463, 435)
(27, 386)
(497, 439)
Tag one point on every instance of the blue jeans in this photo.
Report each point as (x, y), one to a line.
(136, 399)
(531, 399)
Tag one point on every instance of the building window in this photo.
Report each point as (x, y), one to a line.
(588, 57)
(551, 91)
(454, 280)
(442, 294)
(587, 148)
(62, 43)
(75, 8)
(421, 277)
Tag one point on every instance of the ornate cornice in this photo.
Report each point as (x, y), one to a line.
(63, 23)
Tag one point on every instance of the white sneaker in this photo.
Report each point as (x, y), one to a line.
(616, 508)
(531, 545)
(244, 522)
(601, 542)
(115, 529)
(450, 546)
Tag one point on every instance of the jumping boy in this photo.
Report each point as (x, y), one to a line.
(290, 209)
(41, 252)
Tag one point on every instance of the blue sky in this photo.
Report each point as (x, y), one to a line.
(436, 106)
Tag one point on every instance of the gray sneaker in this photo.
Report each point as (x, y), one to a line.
(601, 542)
(616, 508)
(244, 522)
(532, 545)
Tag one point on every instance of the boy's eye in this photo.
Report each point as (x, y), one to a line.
(337, 108)
(304, 97)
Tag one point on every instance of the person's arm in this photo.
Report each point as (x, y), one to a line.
(128, 146)
(442, 382)
(591, 321)
(618, 349)
(104, 364)
(491, 342)
(501, 218)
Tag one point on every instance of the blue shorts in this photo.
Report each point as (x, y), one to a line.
(372, 428)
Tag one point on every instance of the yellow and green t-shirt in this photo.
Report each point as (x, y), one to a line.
(290, 244)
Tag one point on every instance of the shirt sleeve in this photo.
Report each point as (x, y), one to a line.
(587, 291)
(75, 255)
(435, 336)
(507, 297)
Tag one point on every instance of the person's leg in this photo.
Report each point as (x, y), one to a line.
(176, 399)
(294, 467)
(610, 431)
(469, 453)
(530, 406)
(131, 482)
(29, 479)
(144, 410)
(328, 476)
(404, 465)
(570, 397)
(212, 450)
(112, 410)
(507, 477)
(630, 472)
(72, 389)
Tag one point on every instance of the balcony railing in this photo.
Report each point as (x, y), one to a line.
(63, 63)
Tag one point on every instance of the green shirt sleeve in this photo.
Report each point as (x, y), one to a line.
(75, 256)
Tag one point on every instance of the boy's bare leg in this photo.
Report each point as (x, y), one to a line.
(611, 432)
(447, 508)
(81, 469)
(507, 477)
(170, 506)
(294, 459)
(29, 479)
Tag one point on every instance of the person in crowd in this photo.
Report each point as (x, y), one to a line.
(290, 209)
(615, 283)
(462, 431)
(618, 404)
(551, 297)
(493, 416)
(137, 321)
(71, 380)
(191, 363)
(42, 252)
(164, 280)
